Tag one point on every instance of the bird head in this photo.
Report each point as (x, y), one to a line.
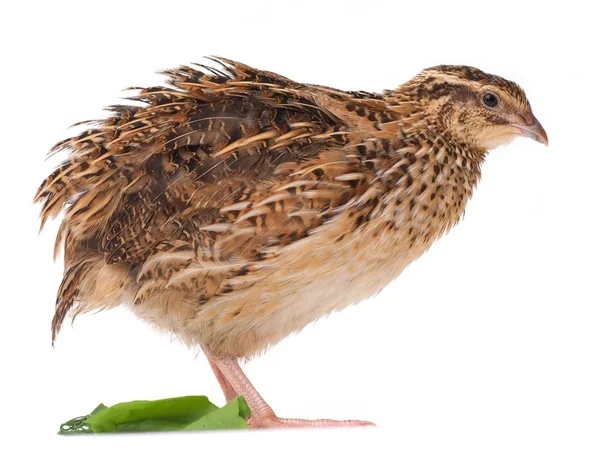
(469, 106)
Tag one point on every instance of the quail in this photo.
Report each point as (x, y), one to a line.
(232, 206)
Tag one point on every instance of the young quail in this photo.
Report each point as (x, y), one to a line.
(232, 206)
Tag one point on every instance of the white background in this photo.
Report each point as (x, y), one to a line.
(489, 341)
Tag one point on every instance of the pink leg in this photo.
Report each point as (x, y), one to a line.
(262, 415)
(228, 390)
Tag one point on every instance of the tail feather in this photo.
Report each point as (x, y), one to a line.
(68, 293)
(91, 284)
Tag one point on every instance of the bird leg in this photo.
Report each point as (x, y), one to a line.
(234, 382)
(228, 390)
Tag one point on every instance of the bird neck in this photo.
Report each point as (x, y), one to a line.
(438, 117)
(441, 172)
(434, 181)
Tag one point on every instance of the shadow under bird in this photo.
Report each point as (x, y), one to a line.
(234, 206)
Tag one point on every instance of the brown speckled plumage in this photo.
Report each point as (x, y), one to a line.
(235, 206)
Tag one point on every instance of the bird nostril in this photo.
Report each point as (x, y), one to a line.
(528, 118)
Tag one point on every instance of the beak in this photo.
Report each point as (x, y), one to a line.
(533, 129)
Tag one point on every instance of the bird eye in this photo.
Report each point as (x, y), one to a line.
(490, 100)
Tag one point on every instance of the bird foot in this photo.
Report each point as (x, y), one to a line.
(272, 421)
(234, 382)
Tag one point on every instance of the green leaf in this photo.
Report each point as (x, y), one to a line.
(172, 414)
(164, 414)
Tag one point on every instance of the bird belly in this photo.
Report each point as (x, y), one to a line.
(309, 280)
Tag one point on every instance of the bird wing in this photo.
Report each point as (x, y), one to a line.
(233, 160)
(214, 175)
